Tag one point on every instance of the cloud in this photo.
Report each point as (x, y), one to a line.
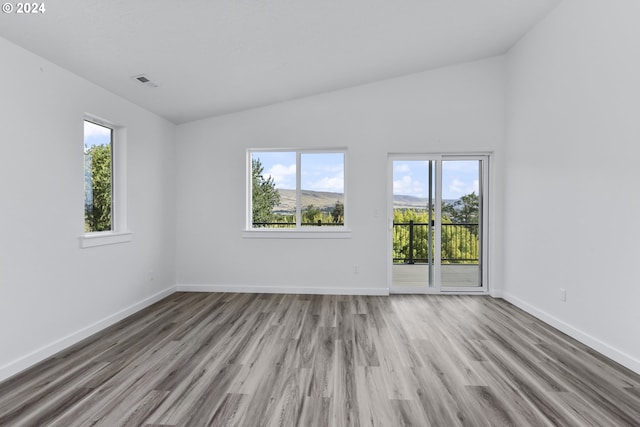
(338, 168)
(284, 176)
(408, 187)
(475, 187)
(456, 186)
(96, 135)
(401, 168)
(92, 130)
(460, 187)
(334, 184)
(325, 178)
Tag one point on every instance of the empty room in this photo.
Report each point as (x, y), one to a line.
(343, 213)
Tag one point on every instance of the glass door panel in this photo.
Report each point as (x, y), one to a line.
(461, 224)
(413, 232)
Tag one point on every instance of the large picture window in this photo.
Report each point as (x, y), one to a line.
(294, 189)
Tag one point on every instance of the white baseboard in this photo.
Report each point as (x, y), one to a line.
(496, 294)
(281, 290)
(586, 339)
(49, 350)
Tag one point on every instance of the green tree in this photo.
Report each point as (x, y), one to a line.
(463, 210)
(401, 234)
(468, 208)
(459, 243)
(337, 214)
(264, 194)
(449, 210)
(97, 209)
(311, 214)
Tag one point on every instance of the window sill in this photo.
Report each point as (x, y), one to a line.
(91, 240)
(311, 233)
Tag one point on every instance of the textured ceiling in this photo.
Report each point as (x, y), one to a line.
(212, 57)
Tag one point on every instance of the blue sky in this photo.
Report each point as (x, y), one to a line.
(96, 135)
(459, 177)
(325, 172)
(319, 171)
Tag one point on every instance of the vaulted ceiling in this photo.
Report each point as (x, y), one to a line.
(212, 57)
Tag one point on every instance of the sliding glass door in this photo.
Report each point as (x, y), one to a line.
(437, 215)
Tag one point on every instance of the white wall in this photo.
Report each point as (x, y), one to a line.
(53, 293)
(454, 109)
(572, 174)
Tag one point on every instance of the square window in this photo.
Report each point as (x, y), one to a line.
(297, 189)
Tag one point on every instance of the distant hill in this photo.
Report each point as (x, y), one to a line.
(325, 201)
(409, 202)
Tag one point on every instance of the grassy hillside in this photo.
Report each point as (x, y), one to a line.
(325, 201)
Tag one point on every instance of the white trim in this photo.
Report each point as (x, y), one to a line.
(65, 342)
(586, 339)
(256, 289)
(102, 238)
(119, 179)
(311, 233)
(496, 293)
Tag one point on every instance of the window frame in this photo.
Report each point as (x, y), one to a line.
(299, 231)
(119, 232)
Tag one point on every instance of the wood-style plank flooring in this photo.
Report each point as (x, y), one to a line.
(197, 359)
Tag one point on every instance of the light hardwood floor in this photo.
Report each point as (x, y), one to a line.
(198, 359)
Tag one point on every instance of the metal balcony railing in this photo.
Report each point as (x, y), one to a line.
(460, 243)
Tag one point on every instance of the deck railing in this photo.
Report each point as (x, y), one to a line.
(459, 243)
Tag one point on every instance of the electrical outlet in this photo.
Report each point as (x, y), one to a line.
(563, 295)
(356, 269)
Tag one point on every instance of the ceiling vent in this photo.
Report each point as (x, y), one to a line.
(141, 78)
